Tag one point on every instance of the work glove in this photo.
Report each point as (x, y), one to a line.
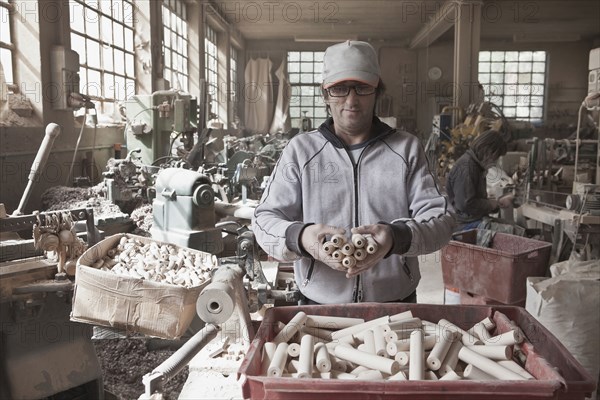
(312, 239)
(382, 235)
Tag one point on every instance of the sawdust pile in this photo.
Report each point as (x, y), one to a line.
(142, 218)
(67, 198)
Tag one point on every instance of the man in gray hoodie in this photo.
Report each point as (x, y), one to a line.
(354, 174)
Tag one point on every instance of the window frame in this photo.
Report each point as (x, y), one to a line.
(100, 67)
(522, 92)
(178, 9)
(211, 75)
(9, 45)
(316, 110)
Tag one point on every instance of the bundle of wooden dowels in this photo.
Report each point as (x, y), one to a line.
(396, 347)
(348, 253)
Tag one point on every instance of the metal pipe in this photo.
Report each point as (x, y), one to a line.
(52, 131)
(171, 366)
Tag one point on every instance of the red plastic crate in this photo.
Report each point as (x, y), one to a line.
(559, 375)
(499, 272)
(475, 299)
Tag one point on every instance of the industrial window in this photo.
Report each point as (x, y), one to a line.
(102, 33)
(304, 69)
(233, 79)
(514, 80)
(6, 45)
(175, 43)
(210, 62)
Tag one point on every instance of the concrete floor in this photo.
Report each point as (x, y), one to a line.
(214, 379)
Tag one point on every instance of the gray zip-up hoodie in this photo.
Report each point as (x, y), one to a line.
(316, 181)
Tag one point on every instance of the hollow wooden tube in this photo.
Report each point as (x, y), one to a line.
(379, 341)
(473, 373)
(347, 249)
(337, 255)
(329, 247)
(320, 333)
(358, 240)
(451, 359)
(486, 365)
(356, 329)
(291, 328)
(278, 361)
(401, 316)
(430, 376)
(382, 364)
(410, 323)
(360, 254)
(481, 332)
(306, 359)
(467, 338)
(348, 261)
(416, 370)
(369, 342)
(400, 376)
(402, 357)
(505, 339)
(322, 359)
(451, 376)
(439, 351)
(267, 356)
(293, 349)
(371, 245)
(487, 323)
(331, 322)
(398, 335)
(370, 375)
(338, 239)
(514, 367)
(396, 346)
(496, 353)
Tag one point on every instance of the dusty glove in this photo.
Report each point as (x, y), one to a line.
(312, 239)
(382, 234)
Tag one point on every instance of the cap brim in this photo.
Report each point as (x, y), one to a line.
(359, 76)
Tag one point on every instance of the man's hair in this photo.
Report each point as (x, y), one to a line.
(379, 91)
(488, 146)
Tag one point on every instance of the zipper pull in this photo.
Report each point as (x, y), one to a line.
(407, 270)
(359, 298)
(305, 282)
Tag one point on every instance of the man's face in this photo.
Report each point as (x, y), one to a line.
(352, 114)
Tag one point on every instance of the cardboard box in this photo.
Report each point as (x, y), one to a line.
(129, 304)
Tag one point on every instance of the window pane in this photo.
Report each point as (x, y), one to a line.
(107, 59)
(497, 56)
(539, 67)
(93, 53)
(525, 56)
(512, 56)
(484, 56)
(4, 26)
(78, 44)
(6, 61)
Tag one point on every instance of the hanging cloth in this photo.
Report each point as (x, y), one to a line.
(258, 95)
(281, 118)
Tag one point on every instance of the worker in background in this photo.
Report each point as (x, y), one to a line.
(466, 183)
(354, 174)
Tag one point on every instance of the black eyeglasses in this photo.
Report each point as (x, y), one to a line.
(343, 90)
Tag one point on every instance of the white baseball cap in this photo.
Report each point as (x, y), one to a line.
(350, 61)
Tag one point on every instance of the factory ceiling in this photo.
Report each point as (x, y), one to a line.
(311, 20)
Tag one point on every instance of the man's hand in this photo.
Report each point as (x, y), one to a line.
(312, 239)
(382, 234)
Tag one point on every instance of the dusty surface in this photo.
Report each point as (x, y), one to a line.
(142, 218)
(125, 361)
(65, 198)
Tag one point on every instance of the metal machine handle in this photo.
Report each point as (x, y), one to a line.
(52, 131)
